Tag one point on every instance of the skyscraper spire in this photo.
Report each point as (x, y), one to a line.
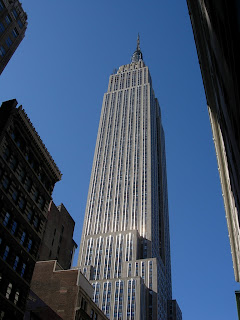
(137, 55)
(138, 42)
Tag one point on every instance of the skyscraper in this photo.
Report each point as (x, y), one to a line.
(125, 246)
(28, 174)
(13, 25)
(216, 32)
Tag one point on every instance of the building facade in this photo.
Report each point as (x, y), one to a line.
(125, 245)
(27, 177)
(216, 31)
(13, 24)
(57, 242)
(66, 292)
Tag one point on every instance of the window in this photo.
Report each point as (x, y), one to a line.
(28, 184)
(14, 227)
(6, 153)
(15, 194)
(6, 219)
(41, 203)
(8, 42)
(20, 23)
(29, 245)
(15, 263)
(9, 290)
(22, 175)
(29, 216)
(13, 163)
(36, 222)
(23, 269)
(8, 19)
(2, 28)
(1, 8)
(5, 183)
(2, 51)
(22, 203)
(15, 33)
(6, 252)
(36, 195)
(14, 12)
(16, 297)
(23, 236)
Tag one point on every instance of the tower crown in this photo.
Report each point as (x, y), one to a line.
(137, 55)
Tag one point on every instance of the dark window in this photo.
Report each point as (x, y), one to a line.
(30, 215)
(58, 250)
(15, 194)
(2, 51)
(13, 163)
(41, 203)
(50, 253)
(62, 229)
(22, 175)
(14, 227)
(14, 12)
(8, 19)
(23, 269)
(36, 195)
(29, 245)
(28, 184)
(1, 6)
(6, 153)
(16, 263)
(13, 135)
(15, 33)
(5, 182)
(2, 28)
(22, 203)
(6, 252)
(20, 23)
(36, 222)
(8, 42)
(23, 236)
(6, 219)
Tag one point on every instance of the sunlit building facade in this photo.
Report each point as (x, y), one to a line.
(125, 246)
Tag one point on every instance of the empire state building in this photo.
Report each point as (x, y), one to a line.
(125, 245)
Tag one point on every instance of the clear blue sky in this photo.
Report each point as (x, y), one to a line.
(60, 73)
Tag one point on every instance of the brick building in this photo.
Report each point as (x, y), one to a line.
(13, 24)
(67, 292)
(27, 177)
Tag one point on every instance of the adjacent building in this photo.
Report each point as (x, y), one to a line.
(57, 242)
(174, 312)
(216, 28)
(13, 24)
(66, 292)
(27, 177)
(125, 245)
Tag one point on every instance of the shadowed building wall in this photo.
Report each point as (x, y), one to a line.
(13, 24)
